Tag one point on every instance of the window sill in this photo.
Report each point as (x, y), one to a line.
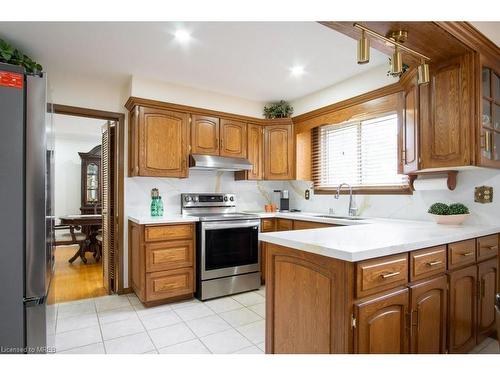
(366, 190)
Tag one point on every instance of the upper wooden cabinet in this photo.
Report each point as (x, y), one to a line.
(279, 152)
(489, 113)
(255, 154)
(158, 142)
(233, 138)
(214, 136)
(447, 114)
(409, 125)
(204, 135)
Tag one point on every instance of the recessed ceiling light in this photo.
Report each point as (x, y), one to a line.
(182, 36)
(297, 70)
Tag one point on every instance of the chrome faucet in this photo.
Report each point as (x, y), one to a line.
(352, 208)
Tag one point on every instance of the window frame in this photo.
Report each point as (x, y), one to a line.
(373, 189)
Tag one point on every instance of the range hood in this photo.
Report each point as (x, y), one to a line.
(219, 163)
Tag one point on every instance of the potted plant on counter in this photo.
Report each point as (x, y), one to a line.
(452, 214)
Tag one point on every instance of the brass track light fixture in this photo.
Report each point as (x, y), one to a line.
(396, 39)
(363, 49)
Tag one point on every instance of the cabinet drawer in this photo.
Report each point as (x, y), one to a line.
(375, 275)
(168, 232)
(267, 225)
(302, 224)
(284, 224)
(427, 262)
(487, 247)
(461, 254)
(167, 284)
(162, 256)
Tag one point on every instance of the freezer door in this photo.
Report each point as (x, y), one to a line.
(37, 277)
(12, 212)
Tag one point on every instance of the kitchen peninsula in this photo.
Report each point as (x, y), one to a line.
(381, 287)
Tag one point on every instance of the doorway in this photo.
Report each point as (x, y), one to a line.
(88, 196)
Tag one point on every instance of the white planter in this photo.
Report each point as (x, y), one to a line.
(450, 219)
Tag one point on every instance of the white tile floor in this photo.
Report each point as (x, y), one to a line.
(121, 324)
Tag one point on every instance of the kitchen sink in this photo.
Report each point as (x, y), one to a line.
(340, 217)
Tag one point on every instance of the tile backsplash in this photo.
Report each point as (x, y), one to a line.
(409, 206)
(253, 195)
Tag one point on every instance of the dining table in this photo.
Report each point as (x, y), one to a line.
(90, 225)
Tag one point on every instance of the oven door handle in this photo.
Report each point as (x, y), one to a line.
(228, 225)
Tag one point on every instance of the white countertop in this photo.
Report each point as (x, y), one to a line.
(375, 238)
(167, 219)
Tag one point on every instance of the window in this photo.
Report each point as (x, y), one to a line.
(363, 154)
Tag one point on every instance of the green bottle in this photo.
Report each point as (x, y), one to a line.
(154, 206)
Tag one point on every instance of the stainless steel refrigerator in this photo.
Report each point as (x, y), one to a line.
(27, 313)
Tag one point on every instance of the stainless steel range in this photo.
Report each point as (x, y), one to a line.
(227, 248)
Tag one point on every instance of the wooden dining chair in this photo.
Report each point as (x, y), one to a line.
(71, 238)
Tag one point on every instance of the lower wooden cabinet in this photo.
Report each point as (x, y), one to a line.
(162, 261)
(463, 305)
(428, 305)
(435, 307)
(381, 325)
(487, 277)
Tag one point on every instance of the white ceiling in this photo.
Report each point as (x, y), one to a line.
(251, 60)
(490, 29)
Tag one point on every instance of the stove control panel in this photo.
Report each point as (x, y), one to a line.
(208, 200)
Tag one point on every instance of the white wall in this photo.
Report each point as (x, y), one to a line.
(357, 85)
(72, 135)
(172, 93)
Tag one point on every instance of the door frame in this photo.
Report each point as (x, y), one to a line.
(119, 145)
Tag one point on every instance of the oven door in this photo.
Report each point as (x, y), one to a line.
(229, 248)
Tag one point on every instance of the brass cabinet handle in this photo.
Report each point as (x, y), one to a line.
(487, 141)
(391, 274)
(468, 254)
(492, 247)
(403, 156)
(434, 263)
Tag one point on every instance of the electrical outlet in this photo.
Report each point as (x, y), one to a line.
(483, 194)
(307, 194)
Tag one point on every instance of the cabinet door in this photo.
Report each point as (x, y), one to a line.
(487, 277)
(233, 139)
(409, 157)
(382, 324)
(462, 310)
(278, 152)
(204, 135)
(255, 149)
(489, 120)
(162, 143)
(428, 301)
(447, 115)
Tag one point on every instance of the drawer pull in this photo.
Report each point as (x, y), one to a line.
(391, 274)
(468, 254)
(491, 247)
(434, 263)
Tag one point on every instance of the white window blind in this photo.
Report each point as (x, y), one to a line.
(362, 154)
